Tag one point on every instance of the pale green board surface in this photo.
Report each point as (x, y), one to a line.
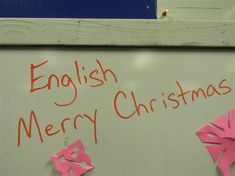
(198, 9)
(154, 144)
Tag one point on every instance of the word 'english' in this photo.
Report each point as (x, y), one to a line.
(95, 77)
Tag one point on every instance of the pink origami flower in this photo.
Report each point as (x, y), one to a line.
(220, 140)
(71, 160)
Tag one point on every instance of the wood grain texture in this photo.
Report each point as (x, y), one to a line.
(117, 32)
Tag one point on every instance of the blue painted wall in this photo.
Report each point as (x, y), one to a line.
(142, 9)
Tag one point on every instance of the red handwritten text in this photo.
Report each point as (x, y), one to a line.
(50, 130)
(95, 78)
(172, 100)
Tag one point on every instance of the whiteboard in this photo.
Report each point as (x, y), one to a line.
(160, 142)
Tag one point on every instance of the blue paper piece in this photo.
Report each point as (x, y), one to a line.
(141, 9)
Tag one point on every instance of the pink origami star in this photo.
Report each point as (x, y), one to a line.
(72, 161)
(220, 140)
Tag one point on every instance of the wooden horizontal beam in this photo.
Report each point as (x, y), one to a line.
(111, 32)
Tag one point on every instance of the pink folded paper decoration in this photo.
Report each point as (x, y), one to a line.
(71, 160)
(220, 137)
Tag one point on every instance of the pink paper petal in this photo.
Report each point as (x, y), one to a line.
(69, 161)
(215, 151)
(232, 121)
(221, 122)
(222, 135)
